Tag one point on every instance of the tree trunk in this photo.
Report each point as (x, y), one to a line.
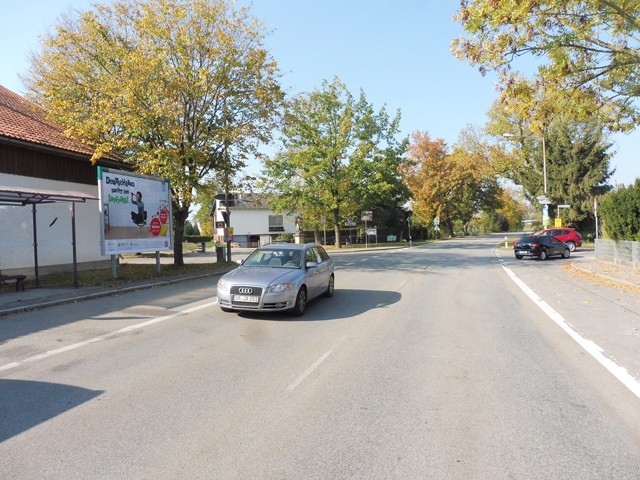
(316, 234)
(336, 229)
(180, 215)
(449, 226)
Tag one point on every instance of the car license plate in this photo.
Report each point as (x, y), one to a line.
(522, 252)
(246, 298)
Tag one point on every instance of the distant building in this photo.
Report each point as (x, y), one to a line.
(254, 223)
(35, 155)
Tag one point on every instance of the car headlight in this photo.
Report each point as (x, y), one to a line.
(279, 288)
(222, 285)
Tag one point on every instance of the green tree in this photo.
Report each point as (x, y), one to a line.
(577, 167)
(590, 48)
(338, 157)
(620, 211)
(181, 89)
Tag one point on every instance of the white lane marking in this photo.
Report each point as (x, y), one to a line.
(589, 346)
(106, 336)
(310, 370)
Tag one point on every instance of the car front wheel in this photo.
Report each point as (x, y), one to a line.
(543, 255)
(572, 246)
(301, 302)
(330, 288)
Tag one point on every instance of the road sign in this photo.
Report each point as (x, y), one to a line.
(367, 216)
(543, 200)
(372, 231)
(349, 223)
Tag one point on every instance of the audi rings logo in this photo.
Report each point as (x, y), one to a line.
(245, 290)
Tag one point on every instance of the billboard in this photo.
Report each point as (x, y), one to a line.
(135, 212)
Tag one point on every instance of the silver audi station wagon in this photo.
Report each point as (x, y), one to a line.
(278, 277)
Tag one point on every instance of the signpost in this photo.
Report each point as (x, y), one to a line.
(545, 202)
(350, 223)
(558, 222)
(367, 216)
(373, 231)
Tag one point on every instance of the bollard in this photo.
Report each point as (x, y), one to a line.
(505, 243)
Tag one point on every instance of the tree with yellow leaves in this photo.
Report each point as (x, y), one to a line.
(588, 50)
(451, 186)
(182, 89)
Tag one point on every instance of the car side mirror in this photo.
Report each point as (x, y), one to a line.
(312, 265)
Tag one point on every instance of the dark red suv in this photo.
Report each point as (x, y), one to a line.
(565, 234)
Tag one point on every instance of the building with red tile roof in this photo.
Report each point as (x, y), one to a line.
(35, 154)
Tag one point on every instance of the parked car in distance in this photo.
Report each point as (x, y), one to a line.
(541, 246)
(278, 277)
(565, 234)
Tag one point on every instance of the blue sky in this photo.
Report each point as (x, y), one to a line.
(397, 52)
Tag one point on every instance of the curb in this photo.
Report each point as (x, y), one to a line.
(104, 293)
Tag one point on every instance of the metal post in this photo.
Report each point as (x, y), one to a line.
(73, 242)
(595, 213)
(366, 235)
(544, 163)
(35, 244)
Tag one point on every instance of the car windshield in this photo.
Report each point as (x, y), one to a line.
(275, 258)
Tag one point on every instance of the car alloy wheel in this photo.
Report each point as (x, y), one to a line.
(572, 246)
(301, 302)
(542, 255)
(566, 253)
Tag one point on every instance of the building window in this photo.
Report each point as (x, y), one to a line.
(276, 223)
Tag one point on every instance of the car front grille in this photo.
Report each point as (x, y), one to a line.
(246, 290)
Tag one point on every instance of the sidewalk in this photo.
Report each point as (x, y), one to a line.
(34, 298)
(618, 275)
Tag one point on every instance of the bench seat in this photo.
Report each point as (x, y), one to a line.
(19, 279)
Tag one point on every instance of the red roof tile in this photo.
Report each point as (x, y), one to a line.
(22, 120)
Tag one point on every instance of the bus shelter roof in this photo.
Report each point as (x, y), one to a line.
(28, 196)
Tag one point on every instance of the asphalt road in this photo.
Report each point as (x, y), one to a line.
(429, 362)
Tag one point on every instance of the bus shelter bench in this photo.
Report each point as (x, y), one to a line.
(18, 278)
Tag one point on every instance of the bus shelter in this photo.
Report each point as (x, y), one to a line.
(23, 197)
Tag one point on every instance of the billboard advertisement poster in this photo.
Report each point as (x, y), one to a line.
(135, 211)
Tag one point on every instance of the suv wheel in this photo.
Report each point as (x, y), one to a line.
(572, 246)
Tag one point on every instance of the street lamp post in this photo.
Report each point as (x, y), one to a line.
(544, 160)
(544, 153)
(409, 225)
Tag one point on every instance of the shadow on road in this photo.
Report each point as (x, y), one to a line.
(26, 404)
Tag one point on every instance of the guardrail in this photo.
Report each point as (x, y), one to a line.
(624, 252)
